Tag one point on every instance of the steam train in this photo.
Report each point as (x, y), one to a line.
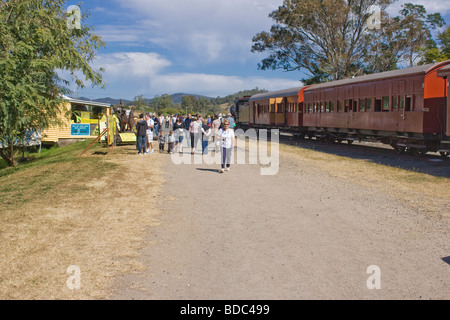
(408, 109)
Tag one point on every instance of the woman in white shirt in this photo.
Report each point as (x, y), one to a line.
(227, 142)
(195, 131)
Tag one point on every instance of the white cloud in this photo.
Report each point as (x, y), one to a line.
(215, 85)
(129, 74)
(207, 31)
(132, 64)
(431, 6)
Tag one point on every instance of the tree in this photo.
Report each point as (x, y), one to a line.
(332, 39)
(444, 39)
(162, 102)
(384, 47)
(323, 37)
(140, 104)
(189, 103)
(415, 30)
(37, 42)
(403, 38)
(431, 52)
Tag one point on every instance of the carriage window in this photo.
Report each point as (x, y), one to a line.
(347, 105)
(322, 107)
(355, 105)
(331, 104)
(327, 107)
(386, 106)
(378, 105)
(362, 105)
(394, 103)
(401, 104)
(368, 104)
(408, 103)
(280, 108)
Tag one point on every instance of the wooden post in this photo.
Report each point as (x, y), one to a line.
(97, 139)
(107, 128)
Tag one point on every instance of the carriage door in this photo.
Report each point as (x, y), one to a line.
(401, 114)
(447, 105)
(285, 103)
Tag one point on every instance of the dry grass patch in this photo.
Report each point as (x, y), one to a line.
(424, 192)
(92, 212)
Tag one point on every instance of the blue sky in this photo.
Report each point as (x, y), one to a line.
(196, 46)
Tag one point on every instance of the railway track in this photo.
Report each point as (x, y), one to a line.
(430, 163)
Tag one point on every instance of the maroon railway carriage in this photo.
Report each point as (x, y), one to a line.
(445, 143)
(405, 108)
(281, 109)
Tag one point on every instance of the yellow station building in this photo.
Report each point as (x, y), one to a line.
(85, 120)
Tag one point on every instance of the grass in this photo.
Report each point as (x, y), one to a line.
(50, 169)
(423, 192)
(61, 210)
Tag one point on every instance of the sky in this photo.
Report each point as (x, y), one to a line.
(154, 47)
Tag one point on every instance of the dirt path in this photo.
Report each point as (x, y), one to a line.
(300, 234)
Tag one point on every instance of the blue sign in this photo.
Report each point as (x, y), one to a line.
(80, 129)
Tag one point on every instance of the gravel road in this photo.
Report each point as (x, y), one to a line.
(299, 234)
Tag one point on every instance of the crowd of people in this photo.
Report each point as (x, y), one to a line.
(172, 130)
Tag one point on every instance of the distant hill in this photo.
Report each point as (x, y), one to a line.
(106, 100)
(177, 98)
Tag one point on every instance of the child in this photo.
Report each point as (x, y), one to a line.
(170, 141)
(161, 140)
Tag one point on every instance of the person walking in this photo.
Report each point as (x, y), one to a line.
(206, 133)
(209, 121)
(161, 140)
(227, 143)
(150, 125)
(231, 120)
(141, 132)
(194, 129)
(170, 142)
(178, 129)
(155, 125)
(161, 122)
(187, 125)
(215, 131)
